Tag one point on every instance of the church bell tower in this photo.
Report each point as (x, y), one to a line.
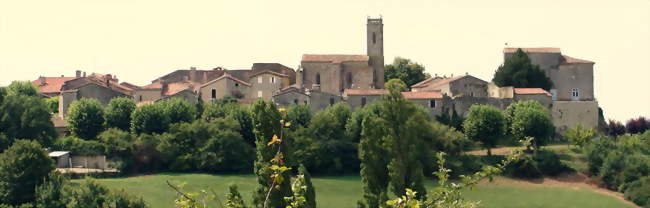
(376, 50)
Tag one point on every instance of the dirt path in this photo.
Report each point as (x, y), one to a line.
(573, 181)
(506, 150)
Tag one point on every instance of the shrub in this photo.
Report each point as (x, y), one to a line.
(639, 192)
(485, 124)
(524, 168)
(596, 153)
(549, 163)
(115, 142)
(637, 126)
(580, 135)
(79, 146)
(615, 128)
(178, 110)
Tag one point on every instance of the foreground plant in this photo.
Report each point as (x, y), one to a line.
(448, 194)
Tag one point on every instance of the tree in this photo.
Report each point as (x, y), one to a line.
(115, 142)
(299, 116)
(25, 117)
(533, 122)
(149, 119)
(52, 104)
(266, 126)
(579, 135)
(85, 118)
(92, 194)
(519, 72)
(637, 126)
(400, 130)
(310, 192)
(179, 110)
(485, 124)
(118, 113)
(25, 88)
(79, 146)
(23, 167)
(615, 128)
(52, 192)
(233, 198)
(406, 70)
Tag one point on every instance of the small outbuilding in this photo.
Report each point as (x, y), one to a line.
(62, 159)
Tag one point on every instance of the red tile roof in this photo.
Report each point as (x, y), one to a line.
(436, 82)
(52, 84)
(571, 60)
(334, 58)
(365, 92)
(422, 95)
(173, 88)
(533, 50)
(531, 91)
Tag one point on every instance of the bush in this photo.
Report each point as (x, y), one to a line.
(178, 110)
(580, 135)
(524, 168)
(79, 146)
(615, 128)
(549, 163)
(115, 142)
(620, 168)
(596, 153)
(637, 126)
(639, 192)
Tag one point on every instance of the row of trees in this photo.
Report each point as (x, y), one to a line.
(633, 126)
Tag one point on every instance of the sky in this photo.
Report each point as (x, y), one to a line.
(140, 40)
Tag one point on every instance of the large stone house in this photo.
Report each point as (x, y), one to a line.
(96, 86)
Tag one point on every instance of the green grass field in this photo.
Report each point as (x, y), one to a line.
(337, 192)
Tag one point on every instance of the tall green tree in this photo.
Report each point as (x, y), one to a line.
(266, 125)
(52, 193)
(299, 115)
(310, 192)
(485, 124)
(149, 119)
(22, 88)
(85, 118)
(406, 70)
(26, 117)
(533, 122)
(518, 71)
(23, 167)
(179, 110)
(118, 113)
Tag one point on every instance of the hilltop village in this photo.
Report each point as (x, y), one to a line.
(322, 80)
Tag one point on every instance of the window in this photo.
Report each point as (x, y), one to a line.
(236, 84)
(214, 94)
(349, 80)
(471, 94)
(259, 94)
(317, 78)
(575, 94)
(432, 103)
(272, 79)
(331, 101)
(374, 38)
(259, 80)
(305, 102)
(140, 98)
(295, 101)
(363, 101)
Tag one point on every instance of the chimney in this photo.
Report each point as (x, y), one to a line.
(299, 77)
(41, 79)
(193, 74)
(164, 86)
(108, 79)
(77, 73)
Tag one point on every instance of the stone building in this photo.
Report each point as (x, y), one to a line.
(96, 86)
(465, 85)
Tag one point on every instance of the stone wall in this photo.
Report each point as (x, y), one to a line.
(356, 101)
(140, 95)
(288, 99)
(265, 84)
(360, 73)
(330, 76)
(579, 76)
(321, 100)
(468, 86)
(567, 114)
(94, 162)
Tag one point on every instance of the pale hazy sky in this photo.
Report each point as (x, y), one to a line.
(140, 40)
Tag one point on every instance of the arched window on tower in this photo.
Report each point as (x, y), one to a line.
(317, 78)
(348, 79)
(374, 38)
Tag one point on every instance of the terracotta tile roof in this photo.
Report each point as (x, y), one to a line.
(269, 72)
(422, 95)
(129, 85)
(52, 84)
(334, 58)
(533, 50)
(425, 82)
(153, 85)
(228, 76)
(571, 60)
(531, 91)
(443, 81)
(365, 92)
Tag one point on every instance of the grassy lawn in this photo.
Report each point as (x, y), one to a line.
(335, 192)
